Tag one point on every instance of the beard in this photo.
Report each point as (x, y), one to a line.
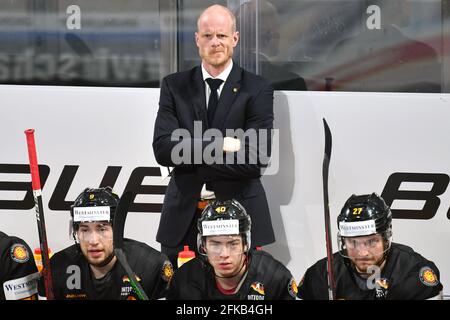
(99, 261)
(104, 262)
(216, 58)
(362, 264)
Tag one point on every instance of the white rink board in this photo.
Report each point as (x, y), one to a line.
(374, 135)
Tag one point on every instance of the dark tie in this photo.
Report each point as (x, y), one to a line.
(214, 84)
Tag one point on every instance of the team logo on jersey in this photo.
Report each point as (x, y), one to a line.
(259, 294)
(19, 253)
(383, 283)
(428, 277)
(258, 287)
(381, 288)
(292, 288)
(126, 279)
(127, 290)
(167, 271)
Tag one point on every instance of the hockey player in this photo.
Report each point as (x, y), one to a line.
(226, 268)
(89, 269)
(369, 266)
(18, 271)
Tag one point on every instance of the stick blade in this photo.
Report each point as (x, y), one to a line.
(328, 139)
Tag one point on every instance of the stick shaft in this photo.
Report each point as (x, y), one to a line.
(120, 217)
(131, 276)
(39, 208)
(325, 170)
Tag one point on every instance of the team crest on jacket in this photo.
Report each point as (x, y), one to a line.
(292, 288)
(19, 253)
(428, 277)
(167, 271)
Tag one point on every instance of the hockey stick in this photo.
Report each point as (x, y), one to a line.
(325, 169)
(118, 227)
(36, 185)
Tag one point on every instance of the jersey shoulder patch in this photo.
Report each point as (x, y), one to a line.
(428, 277)
(167, 271)
(19, 253)
(292, 288)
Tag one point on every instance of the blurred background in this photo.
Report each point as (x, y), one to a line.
(337, 45)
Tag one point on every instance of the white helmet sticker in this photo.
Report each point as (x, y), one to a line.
(220, 227)
(88, 214)
(358, 228)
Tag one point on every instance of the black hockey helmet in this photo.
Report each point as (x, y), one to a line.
(364, 215)
(224, 218)
(102, 199)
(368, 207)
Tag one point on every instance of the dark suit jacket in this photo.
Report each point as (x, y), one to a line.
(246, 102)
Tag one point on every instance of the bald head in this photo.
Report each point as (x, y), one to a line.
(216, 38)
(217, 11)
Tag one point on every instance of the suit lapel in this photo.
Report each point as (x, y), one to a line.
(197, 94)
(227, 96)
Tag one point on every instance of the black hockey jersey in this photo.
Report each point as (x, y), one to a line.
(266, 279)
(18, 271)
(72, 278)
(406, 275)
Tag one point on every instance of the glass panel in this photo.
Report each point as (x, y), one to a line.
(397, 48)
(446, 45)
(263, 34)
(83, 42)
(342, 45)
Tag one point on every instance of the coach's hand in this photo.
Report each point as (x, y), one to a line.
(231, 144)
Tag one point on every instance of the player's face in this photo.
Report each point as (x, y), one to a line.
(226, 254)
(215, 38)
(365, 251)
(96, 241)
